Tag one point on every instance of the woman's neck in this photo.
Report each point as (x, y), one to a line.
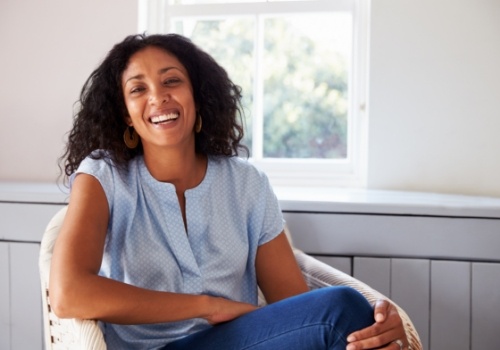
(183, 169)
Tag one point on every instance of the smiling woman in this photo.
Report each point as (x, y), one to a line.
(169, 237)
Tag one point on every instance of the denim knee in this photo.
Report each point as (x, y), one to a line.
(347, 296)
(320, 319)
(348, 305)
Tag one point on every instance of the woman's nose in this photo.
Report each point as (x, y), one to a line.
(158, 98)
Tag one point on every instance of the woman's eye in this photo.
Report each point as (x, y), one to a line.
(171, 81)
(136, 90)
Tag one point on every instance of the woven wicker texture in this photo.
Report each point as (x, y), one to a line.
(318, 275)
(71, 334)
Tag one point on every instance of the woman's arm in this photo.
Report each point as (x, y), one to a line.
(77, 291)
(280, 277)
(278, 274)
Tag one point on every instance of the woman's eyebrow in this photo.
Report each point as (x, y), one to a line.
(166, 69)
(138, 77)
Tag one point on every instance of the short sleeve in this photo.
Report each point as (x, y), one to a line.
(102, 170)
(273, 222)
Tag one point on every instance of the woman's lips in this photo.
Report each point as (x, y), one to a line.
(163, 118)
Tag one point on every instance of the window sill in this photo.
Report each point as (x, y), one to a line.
(363, 201)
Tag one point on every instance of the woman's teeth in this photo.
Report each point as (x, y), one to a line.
(164, 118)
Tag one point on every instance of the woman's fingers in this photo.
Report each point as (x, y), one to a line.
(387, 328)
(380, 341)
(381, 309)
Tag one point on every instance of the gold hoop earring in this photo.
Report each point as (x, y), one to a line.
(130, 137)
(198, 125)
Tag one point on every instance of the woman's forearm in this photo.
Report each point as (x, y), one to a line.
(96, 297)
(100, 298)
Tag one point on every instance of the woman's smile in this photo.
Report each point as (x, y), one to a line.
(164, 118)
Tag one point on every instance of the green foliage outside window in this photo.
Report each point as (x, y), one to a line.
(305, 102)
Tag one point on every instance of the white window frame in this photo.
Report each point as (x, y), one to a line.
(154, 17)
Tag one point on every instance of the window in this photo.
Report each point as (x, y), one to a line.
(301, 65)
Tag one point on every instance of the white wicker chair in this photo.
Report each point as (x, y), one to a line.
(75, 334)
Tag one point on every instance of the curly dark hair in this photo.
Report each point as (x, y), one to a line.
(99, 123)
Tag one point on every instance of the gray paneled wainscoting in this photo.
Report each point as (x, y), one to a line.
(437, 256)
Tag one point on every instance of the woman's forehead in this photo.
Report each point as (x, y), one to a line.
(152, 60)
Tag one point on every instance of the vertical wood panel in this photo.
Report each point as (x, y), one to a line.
(375, 272)
(26, 301)
(410, 289)
(4, 297)
(485, 306)
(340, 263)
(450, 305)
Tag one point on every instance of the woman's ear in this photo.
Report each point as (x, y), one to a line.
(128, 120)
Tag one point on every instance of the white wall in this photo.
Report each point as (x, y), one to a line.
(434, 90)
(48, 49)
(434, 121)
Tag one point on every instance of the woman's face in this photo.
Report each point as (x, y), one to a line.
(159, 99)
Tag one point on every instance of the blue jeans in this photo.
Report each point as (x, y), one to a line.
(320, 319)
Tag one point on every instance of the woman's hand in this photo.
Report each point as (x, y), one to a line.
(224, 310)
(383, 334)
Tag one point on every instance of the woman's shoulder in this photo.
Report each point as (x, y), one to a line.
(239, 172)
(113, 177)
(97, 162)
(237, 166)
(102, 163)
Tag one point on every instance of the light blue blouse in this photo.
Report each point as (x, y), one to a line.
(230, 214)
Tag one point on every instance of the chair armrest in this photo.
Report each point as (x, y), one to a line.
(318, 275)
(71, 333)
(59, 333)
(76, 334)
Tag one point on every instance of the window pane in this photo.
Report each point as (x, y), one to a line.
(306, 74)
(231, 43)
